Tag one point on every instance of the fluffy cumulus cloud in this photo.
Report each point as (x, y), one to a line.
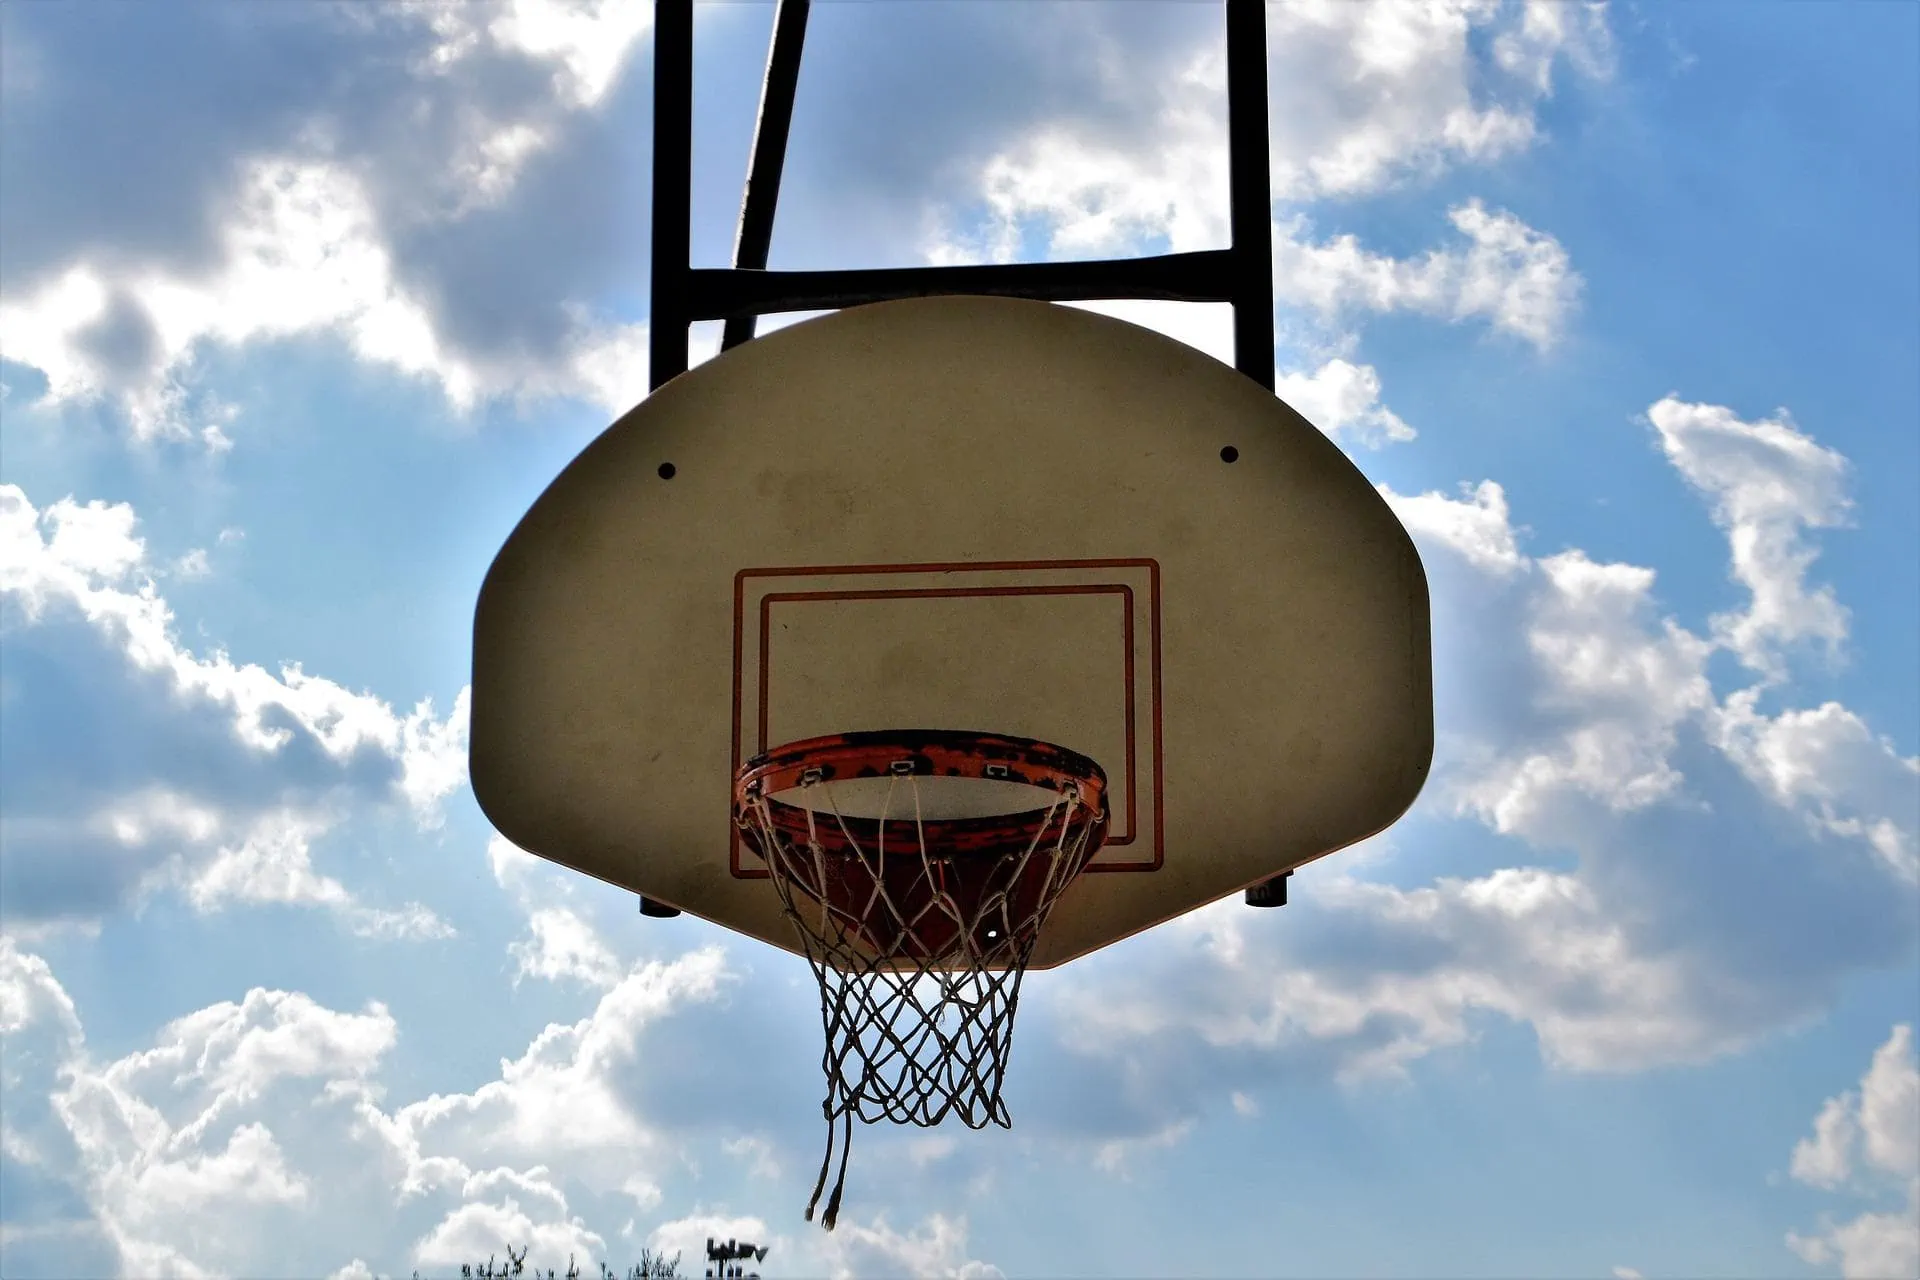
(1829, 763)
(131, 761)
(273, 1109)
(174, 1160)
(1363, 96)
(1866, 1143)
(1768, 484)
(251, 1132)
(560, 944)
(1506, 273)
(1678, 821)
(569, 1095)
(1365, 93)
(1343, 400)
(303, 212)
(46, 1216)
(259, 1135)
(936, 1249)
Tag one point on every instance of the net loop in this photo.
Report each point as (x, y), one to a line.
(917, 868)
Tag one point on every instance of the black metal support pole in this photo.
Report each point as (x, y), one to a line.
(667, 316)
(1251, 200)
(1251, 214)
(769, 153)
(672, 189)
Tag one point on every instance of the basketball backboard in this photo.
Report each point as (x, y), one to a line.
(975, 513)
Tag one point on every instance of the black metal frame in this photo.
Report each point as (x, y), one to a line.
(1241, 275)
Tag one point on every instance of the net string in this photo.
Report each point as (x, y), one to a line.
(914, 1033)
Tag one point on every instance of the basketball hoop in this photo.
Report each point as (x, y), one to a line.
(918, 867)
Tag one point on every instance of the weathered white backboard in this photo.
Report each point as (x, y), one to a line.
(958, 513)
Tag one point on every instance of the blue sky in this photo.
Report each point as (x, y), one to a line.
(301, 305)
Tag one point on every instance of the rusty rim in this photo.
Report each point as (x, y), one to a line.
(919, 753)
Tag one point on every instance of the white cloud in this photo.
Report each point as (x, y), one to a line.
(1827, 761)
(1768, 483)
(1518, 279)
(590, 40)
(1117, 1155)
(330, 226)
(1362, 96)
(560, 943)
(30, 996)
(88, 562)
(1095, 196)
(1579, 720)
(271, 861)
(563, 945)
(644, 1193)
(756, 1155)
(40, 1031)
(1826, 1158)
(194, 564)
(304, 253)
(250, 1134)
(1875, 1129)
(312, 215)
(176, 1139)
(1508, 274)
(1550, 29)
(935, 1250)
(1475, 526)
(1589, 701)
(1890, 1107)
(503, 1208)
(565, 1094)
(1871, 1246)
(1615, 688)
(1343, 400)
(1531, 945)
(1868, 1141)
(239, 769)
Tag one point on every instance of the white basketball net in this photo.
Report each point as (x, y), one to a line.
(912, 1034)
